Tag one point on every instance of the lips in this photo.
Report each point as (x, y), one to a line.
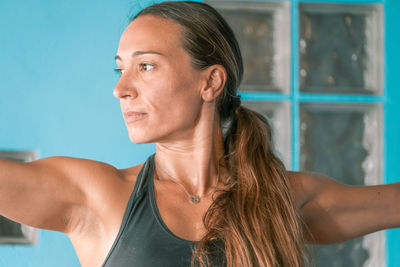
(133, 116)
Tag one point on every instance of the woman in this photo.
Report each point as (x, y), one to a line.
(213, 193)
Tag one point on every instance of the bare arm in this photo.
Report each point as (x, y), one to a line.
(335, 212)
(48, 193)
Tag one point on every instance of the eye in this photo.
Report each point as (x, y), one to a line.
(146, 66)
(119, 71)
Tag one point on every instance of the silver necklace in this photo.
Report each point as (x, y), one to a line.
(194, 199)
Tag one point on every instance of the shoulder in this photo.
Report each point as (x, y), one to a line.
(94, 224)
(85, 170)
(101, 189)
(306, 186)
(98, 181)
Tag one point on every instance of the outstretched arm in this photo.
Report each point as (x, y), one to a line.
(53, 193)
(40, 193)
(334, 212)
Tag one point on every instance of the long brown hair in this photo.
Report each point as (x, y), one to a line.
(256, 218)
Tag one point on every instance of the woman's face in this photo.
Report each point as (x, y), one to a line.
(159, 90)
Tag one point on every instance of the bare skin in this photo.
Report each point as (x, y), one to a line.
(87, 199)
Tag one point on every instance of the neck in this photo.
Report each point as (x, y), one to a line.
(194, 161)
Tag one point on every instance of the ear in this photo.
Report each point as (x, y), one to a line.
(215, 76)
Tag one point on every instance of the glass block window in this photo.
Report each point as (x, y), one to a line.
(263, 33)
(315, 70)
(333, 135)
(344, 141)
(340, 48)
(278, 114)
(12, 232)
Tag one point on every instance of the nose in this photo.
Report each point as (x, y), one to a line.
(125, 88)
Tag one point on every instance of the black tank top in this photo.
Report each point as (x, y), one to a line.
(144, 240)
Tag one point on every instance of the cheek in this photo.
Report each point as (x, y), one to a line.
(177, 99)
(179, 113)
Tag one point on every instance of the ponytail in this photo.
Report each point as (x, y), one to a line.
(256, 218)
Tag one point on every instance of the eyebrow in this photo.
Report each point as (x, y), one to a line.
(138, 53)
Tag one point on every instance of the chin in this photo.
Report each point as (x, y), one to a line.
(137, 140)
(141, 138)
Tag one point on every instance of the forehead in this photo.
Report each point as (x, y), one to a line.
(151, 33)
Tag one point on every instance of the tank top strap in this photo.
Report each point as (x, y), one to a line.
(145, 174)
(138, 189)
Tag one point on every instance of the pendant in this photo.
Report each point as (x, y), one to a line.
(194, 199)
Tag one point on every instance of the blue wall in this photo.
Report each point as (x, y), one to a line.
(56, 82)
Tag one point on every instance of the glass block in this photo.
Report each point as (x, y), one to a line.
(367, 251)
(15, 233)
(263, 33)
(12, 232)
(344, 141)
(278, 115)
(340, 48)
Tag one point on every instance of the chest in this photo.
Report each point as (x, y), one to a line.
(148, 239)
(182, 218)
